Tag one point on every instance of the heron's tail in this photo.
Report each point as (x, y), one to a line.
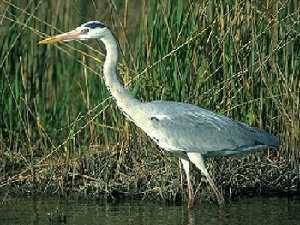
(264, 138)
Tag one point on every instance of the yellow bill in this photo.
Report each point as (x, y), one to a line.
(69, 36)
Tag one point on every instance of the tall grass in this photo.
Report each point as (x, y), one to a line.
(60, 130)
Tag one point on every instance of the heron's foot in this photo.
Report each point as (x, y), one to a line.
(191, 196)
(190, 203)
(221, 200)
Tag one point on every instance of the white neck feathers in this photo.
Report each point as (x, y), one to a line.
(123, 99)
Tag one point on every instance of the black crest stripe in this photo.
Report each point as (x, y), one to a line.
(93, 25)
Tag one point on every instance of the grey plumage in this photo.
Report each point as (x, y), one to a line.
(185, 127)
(187, 130)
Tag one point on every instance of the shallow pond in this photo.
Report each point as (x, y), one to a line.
(34, 211)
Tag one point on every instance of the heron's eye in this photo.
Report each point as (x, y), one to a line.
(85, 31)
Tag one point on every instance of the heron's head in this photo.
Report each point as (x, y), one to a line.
(89, 30)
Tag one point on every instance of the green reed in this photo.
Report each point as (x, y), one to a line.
(61, 131)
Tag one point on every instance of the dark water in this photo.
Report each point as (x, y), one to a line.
(260, 211)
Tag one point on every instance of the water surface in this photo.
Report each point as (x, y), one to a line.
(35, 211)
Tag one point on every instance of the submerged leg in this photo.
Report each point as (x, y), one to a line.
(186, 166)
(197, 159)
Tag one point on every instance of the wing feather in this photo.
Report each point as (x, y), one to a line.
(185, 127)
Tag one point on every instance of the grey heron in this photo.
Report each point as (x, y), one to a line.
(187, 130)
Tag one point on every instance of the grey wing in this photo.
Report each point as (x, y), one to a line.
(185, 127)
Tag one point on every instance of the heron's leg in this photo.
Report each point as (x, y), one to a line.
(197, 159)
(220, 197)
(186, 166)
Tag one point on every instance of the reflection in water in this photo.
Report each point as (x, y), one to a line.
(36, 211)
(213, 213)
(191, 220)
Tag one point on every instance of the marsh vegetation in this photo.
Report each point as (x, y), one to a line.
(61, 131)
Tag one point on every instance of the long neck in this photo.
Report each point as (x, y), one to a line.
(124, 100)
